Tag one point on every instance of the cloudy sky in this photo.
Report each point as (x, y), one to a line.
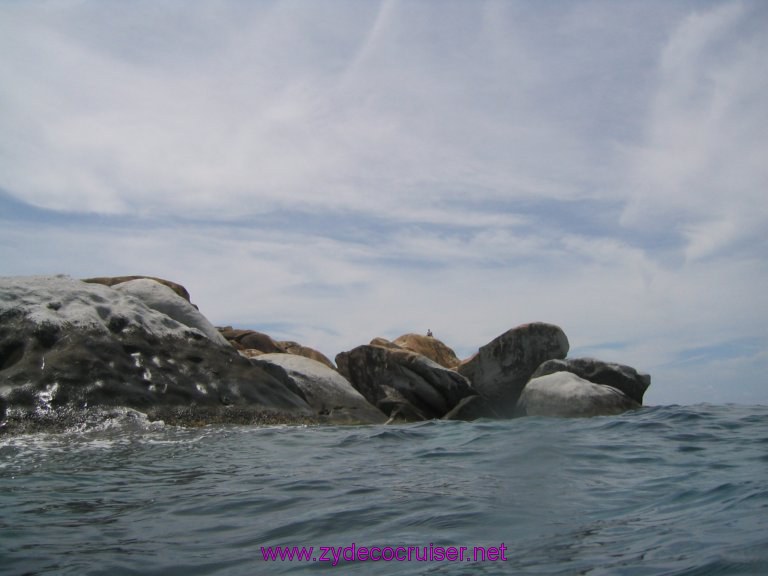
(331, 171)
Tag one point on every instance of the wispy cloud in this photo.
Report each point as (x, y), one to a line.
(334, 171)
(702, 168)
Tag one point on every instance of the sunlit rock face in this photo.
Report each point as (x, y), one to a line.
(162, 298)
(430, 347)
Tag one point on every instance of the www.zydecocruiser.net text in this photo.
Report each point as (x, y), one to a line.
(356, 553)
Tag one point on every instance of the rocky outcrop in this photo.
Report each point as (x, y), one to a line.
(624, 378)
(69, 344)
(430, 347)
(254, 343)
(401, 383)
(564, 394)
(161, 298)
(324, 389)
(115, 280)
(501, 368)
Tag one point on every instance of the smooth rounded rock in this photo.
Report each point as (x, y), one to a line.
(563, 394)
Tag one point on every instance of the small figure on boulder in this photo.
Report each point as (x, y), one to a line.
(429, 333)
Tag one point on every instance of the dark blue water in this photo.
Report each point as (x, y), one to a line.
(667, 490)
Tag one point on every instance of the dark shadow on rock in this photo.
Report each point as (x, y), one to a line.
(619, 376)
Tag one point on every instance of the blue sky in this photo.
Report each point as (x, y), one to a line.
(332, 171)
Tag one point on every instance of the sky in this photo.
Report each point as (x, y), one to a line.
(329, 172)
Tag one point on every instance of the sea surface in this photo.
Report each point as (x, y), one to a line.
(673, 490)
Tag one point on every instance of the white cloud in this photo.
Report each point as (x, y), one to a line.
(367, 108)
(337, 171)
(702, 170)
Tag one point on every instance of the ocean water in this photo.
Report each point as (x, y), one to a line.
(676, 490)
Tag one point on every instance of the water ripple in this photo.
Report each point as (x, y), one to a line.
(663, 490)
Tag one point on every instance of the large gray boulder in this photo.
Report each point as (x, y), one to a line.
(163, 299)
(501, 368)
(69, 344)
(563, 394)
(324, 389)
(619, 376)
(401, 383)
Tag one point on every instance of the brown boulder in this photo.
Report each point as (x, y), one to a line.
(256, 342)
(232, 335)
(259, 341)
(299, 350)
(384, 343)
(253, 343)
(430, 347)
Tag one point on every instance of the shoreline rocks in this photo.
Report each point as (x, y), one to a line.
(70, 349)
